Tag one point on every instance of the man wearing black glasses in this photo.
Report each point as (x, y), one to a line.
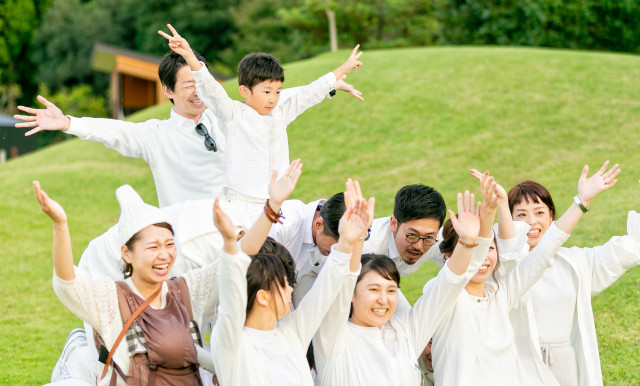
(409, 235)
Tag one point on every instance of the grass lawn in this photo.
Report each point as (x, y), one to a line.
(429, 115)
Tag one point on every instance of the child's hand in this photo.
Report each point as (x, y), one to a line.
(344, 86)
(177, 43)
(351, 64)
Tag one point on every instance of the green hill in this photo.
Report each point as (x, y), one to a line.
(429, 115)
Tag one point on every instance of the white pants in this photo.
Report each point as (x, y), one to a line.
(561, 360)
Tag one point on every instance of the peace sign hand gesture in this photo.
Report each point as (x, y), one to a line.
(177, 43)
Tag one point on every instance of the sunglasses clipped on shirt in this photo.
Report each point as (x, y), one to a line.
(209, 143)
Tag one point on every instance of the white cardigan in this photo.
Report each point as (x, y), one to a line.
(237, 359)
(594, 269)
(351, 355)
(95, 301)
(477, 344)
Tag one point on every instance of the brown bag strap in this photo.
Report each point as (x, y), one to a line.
(126, 327)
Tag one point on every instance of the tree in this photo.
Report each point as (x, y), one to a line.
(18, 20)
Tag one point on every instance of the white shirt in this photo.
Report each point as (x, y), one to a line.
(351, 355)
(183, 169)
(237, 357)
(475, 344)
(296, 235)
(594, 270)
(382, 242)
(95, 300)
(555, 318)
(257, 144)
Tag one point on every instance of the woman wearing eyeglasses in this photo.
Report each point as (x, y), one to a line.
(476, 343)
(363, 340)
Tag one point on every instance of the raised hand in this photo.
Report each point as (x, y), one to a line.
(223, 222)
(344, 86)
(590, 187)
(353, 193)
(281, 189)
(177, 43)
(503, 198)
(355, 221)
(50, 207)
(467, 223)
(50, 118)
(351, 64)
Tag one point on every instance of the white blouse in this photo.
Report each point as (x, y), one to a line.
(238, 357)
(351, 355)
(476, 344)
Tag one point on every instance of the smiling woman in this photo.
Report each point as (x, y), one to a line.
(477, 343)
(565, 327)
(145, 304)
(379, 346)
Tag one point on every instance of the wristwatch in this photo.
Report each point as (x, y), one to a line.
(578, 202)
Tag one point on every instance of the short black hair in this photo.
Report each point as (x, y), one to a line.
(258, 67)
(169, 66)
(331, 213)
(417, 202)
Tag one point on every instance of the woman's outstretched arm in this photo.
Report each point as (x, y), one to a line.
(62, 254)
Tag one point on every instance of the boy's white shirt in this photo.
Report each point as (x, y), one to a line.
(257, 144)
(237, 359)
(182, 168)
(351, 355)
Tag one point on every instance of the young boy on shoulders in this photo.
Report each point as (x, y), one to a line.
(257, 142)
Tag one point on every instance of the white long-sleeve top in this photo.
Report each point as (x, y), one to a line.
(241, 360)
(587, 272)
(476, 344)
(351, 355)
(95, 301)
(257, 144)
(183, 169)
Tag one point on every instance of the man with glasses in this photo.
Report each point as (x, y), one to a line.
(409, 235)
